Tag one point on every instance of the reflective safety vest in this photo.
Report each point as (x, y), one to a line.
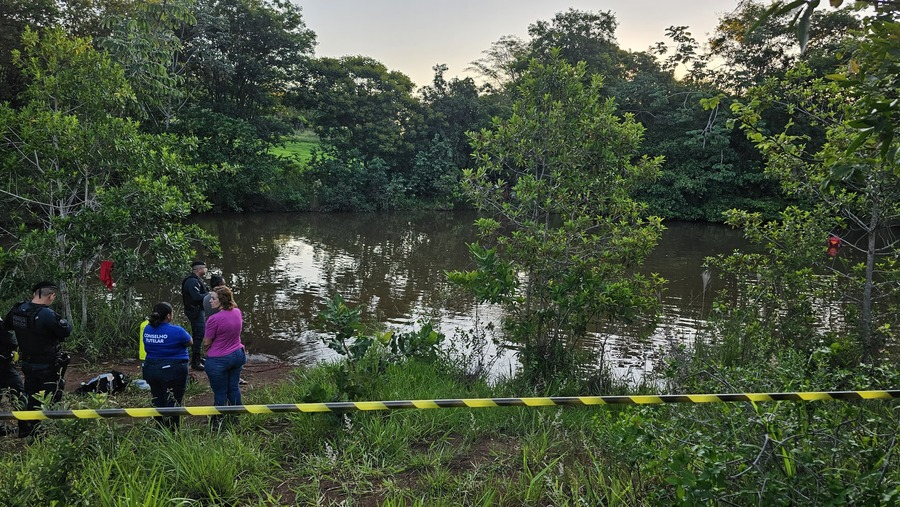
(142, 354)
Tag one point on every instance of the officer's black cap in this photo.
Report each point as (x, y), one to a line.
(197, 263)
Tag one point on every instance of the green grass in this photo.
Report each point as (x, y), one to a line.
(605, 455)
(298, 146)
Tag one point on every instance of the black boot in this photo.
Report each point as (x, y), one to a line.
(197, 364)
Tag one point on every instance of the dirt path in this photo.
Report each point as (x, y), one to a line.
(258, 372)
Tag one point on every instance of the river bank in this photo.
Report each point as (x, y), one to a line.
(803, 453)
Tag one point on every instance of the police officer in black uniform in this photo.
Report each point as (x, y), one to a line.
(10, 382)
(39, 331)
(193, 289)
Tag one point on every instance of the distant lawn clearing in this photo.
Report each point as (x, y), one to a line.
(299, 145)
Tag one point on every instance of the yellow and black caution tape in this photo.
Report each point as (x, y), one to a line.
(350, 406)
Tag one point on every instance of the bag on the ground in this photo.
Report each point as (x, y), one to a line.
(108, 383)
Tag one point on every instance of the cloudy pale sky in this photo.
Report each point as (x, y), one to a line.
(413, 36)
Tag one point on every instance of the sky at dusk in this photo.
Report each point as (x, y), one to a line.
(412, 36)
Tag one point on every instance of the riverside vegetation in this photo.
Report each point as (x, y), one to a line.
(807, 453)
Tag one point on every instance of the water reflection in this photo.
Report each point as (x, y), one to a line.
(284, 267)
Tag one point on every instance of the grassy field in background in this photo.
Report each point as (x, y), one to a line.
(299, 145)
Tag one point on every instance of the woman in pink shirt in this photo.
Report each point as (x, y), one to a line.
(225, 355)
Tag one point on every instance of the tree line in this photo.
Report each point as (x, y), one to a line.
(226, 80)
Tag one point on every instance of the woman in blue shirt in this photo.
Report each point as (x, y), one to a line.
(166, 365)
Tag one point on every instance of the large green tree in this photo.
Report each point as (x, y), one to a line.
(577, 36)
(85, 182)
(145, 41)
(711, 166)
(240, 58)
(248, 177)
(580, 36)
(771, 48)
(249, 53)
(451, 108)
(17, 15)
(372, 128)
(562, 233)
(852, 180)
(503, 63)
(358, 104)
(83, 18)
(708, 169)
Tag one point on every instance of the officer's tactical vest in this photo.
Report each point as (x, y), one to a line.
(36, 345)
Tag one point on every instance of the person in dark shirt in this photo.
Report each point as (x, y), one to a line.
(193, 288)
(166, 366)
(39, 332)
(214, 281)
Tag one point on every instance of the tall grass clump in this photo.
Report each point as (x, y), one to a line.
(223, 467)
(117, 481)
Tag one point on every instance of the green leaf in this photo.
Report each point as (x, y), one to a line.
(842, 171)
(803, 26)
(859, 140)
(886, 138)
(861, 124)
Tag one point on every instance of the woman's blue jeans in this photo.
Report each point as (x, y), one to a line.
(224, 375)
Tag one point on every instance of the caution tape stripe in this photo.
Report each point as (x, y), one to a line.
(348, 406)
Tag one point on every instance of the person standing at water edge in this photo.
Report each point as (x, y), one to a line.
(39, 332)
(166, 366)
(214, 281)
(193, 288)
(225, 356)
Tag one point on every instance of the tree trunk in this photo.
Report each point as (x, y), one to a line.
(66, 300)
(84, 309)
(866, 331)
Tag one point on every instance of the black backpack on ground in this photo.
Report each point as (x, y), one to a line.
(108, 383)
